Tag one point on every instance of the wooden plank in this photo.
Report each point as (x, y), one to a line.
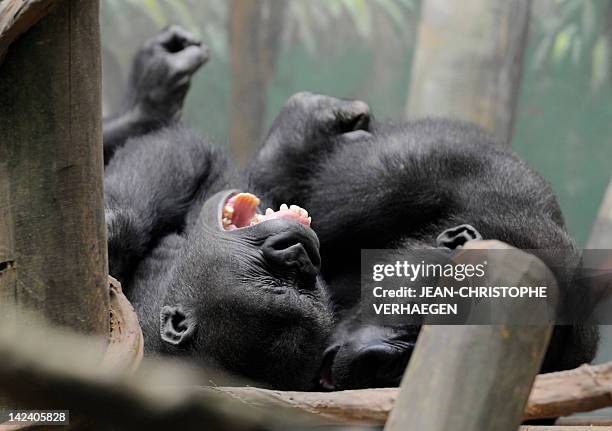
(53, 234)
(471, 377)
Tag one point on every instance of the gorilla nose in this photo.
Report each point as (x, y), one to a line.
(295, 248)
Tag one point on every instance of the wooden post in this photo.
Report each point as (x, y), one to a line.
(52, 229)
(468, 378)
(468, 62)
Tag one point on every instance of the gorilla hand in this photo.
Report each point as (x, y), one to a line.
(307, 116)
(308, 121)
(161, 74)
(306, 129)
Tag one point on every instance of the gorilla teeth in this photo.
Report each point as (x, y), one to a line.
(299, 210)
(228, 211)
(241, 211)
(257, 219)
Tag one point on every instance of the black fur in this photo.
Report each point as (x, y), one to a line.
(150, 186)
(383, 185)
(231, 299)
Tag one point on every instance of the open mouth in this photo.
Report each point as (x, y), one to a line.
(241, 211)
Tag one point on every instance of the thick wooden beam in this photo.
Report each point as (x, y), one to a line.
(472, 377)
(52, 229)
(468, 62)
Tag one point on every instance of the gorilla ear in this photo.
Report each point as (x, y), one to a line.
(456, 236)
(176, 325)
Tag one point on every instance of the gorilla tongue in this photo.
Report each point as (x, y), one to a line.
(241, 211)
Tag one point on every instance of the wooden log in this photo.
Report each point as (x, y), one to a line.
(471, 377)
(125, 348)
(52, 229)
(468, 62)
(586, 388)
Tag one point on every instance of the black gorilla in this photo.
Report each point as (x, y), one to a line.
(213, 279)
(431, 183)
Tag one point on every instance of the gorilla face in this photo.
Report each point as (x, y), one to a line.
(367, 355)
(246, 294)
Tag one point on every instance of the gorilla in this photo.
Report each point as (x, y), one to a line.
(274, 295)
(426, 184)
(209, 277)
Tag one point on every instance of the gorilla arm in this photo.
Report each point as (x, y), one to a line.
(151, 184)
(159, 79)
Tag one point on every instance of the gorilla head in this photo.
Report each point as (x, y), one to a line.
(365, 353)
(246, 294)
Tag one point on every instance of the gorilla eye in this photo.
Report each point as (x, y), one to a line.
(283, 243)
